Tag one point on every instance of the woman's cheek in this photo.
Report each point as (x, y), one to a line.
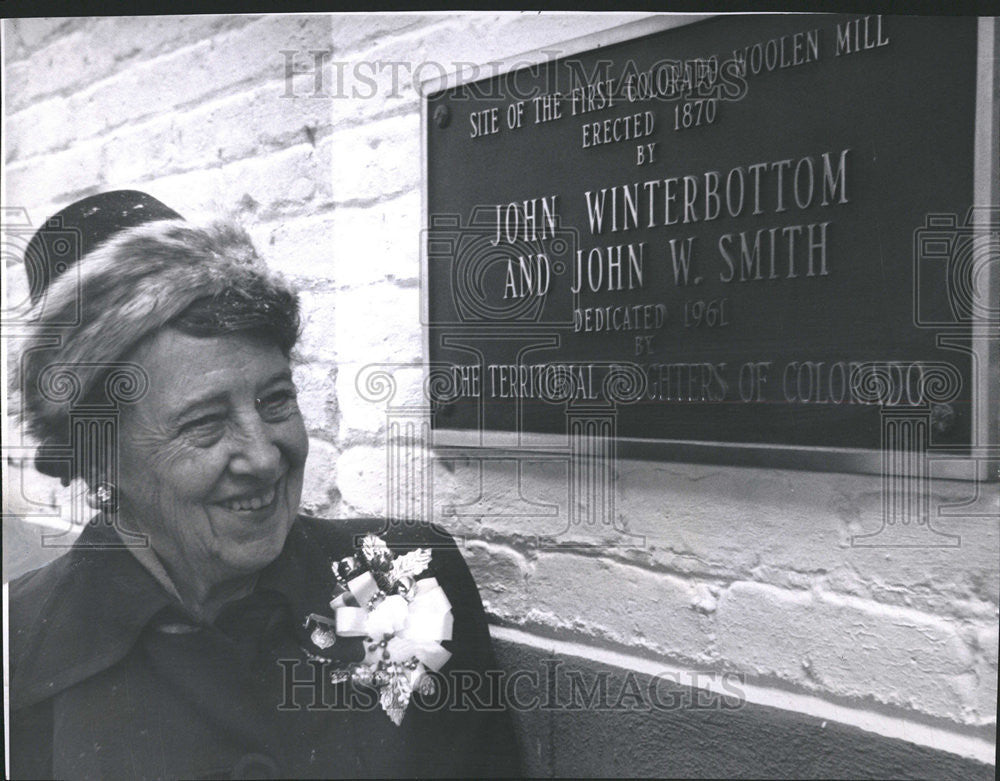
(192, 472)
(296, 439)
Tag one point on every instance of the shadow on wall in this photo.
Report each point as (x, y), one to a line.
(583, 719)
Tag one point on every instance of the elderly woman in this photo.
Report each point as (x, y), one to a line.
(199, 627)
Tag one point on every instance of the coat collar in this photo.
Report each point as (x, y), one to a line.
(78, 615)
(82, 613)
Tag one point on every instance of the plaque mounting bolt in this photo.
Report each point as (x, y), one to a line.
(442, 116)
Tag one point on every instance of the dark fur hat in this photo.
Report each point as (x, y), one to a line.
(131, 285)
(75, 230)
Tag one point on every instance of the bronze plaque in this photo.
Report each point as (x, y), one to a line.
(745, 230)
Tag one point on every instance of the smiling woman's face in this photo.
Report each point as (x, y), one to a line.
(211, 458)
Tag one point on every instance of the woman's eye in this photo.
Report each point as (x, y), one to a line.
(278, 405)
(204, 429)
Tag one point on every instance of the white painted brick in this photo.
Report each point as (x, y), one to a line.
(382, 99)
(360, 418)
(284, 180)
(297, 247)
(318, 315)
(357, 246)
(71, 60)
(227, 61)
(360, 395)
(476, 495)
(447, 45)
(375, 161)
(847, 646)
(319, 489)
(378, 325)
(361, 478)
(316, 383)
(361, 82)
(500, 573)
(483, 490)
(103, 46)
(356, 84)
(233, 127)
(362, 31)
(17, 74)
(25, 36)
(986, 641)
(793, 529)
(59, 177)
(40, 126)
(131, 39)
(380, 243)
(618, 603)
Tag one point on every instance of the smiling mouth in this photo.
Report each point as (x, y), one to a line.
(249, 502)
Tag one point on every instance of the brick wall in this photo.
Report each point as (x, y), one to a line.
(741, 569)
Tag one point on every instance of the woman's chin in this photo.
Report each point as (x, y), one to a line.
(253, 539)
(251, 557)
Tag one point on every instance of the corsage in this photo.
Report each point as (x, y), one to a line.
(401, 619)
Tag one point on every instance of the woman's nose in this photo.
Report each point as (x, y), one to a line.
(257, 453)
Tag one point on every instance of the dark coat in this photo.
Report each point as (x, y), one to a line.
(111, 678)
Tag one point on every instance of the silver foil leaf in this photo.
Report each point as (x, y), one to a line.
(412, 564)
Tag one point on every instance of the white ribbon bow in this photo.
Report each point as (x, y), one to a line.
(410, 628)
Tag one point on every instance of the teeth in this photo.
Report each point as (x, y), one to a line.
(251, 502)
